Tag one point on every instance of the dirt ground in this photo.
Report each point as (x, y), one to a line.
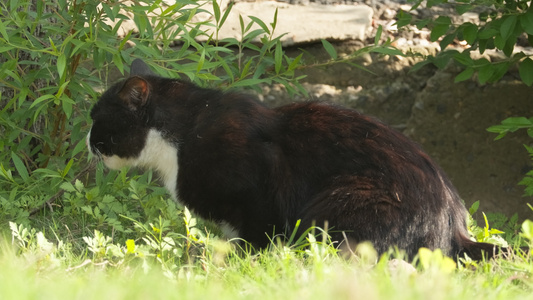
(448, 119)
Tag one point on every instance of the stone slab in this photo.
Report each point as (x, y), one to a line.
(302, 23)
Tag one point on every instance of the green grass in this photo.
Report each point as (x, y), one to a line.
(213, 270)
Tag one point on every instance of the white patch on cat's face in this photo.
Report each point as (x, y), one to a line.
(158, 154)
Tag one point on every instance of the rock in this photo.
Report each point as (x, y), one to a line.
(301, 23)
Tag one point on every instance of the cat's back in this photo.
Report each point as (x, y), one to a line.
(325, 141)
(331, 130)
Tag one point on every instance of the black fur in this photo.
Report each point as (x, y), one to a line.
(262, 169)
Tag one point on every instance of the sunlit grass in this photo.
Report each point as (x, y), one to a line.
(315, 272)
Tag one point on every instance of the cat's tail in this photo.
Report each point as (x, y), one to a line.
(475, 250)
(479, 251)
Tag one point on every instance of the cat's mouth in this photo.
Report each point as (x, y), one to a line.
(113, 162)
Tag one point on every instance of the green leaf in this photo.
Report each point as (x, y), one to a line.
(67, 168)
(527, 230)
(3, 31)
(465, 75)
(447, 40)
(509, 47)
(20, 167)
(517, 122)
(464, 58)
(499, 42)
(117, 60)
(499, 71)
(226, 13)
(6, 48)
(404, 18)
(526, 71)
(66, 105)
(295, 62)
(201, 61)
(109, 12)
(61, 89)
(378, 35)
(275, 21)
(278, 57)
(260, 23)
(248, 82)
(216, 11)
(485, 73)
(526, 20)
(508, 25)
(241, 22)
(470, 33)
(246, 69)
(473, 209)
(41, 99)
(420, 65)
(422, 23)
(463, 8)
(442, 24)
(61, 64)
(487, 33)
(387, 51)
(330, 49)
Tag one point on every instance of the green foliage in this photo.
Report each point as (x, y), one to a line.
(502, 24)
(487, 234)
(56, 58)
(511, 125)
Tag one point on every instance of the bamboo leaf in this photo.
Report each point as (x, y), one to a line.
(61, 65)
(278, 57)
(275, 22)
(41, 99)
(226, 13)
(20, 167)
(248, 82)
(3, 31)
(260, 23)
(378, 35)
(216, 11)
(330, 49)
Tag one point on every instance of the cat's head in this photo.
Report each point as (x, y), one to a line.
(120, 119)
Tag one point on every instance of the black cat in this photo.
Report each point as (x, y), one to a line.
(258, 170)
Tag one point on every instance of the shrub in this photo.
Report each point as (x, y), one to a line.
(56, 58)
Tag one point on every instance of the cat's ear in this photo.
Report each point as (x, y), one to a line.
(135, 92)
(140, 68)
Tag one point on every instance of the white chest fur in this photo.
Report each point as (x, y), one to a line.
(158, 154)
